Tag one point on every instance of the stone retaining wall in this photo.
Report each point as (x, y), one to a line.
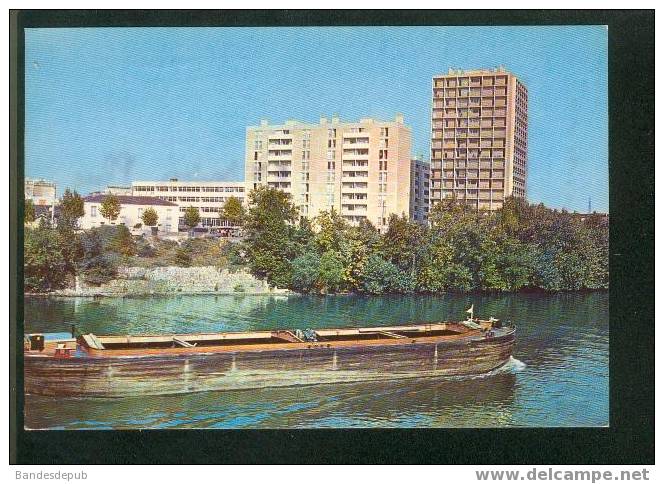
(174, 280)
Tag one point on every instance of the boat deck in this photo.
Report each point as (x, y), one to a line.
(174, 344)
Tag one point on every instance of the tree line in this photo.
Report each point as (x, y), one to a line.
(520, 247)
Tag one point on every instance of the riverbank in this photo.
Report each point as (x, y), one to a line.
(171, 280)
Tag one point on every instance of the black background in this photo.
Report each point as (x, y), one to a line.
(630, 437)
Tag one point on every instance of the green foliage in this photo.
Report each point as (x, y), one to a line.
(381, 276)
(306, 269)
(521, 246)
(28, 211)
(110, 208)
(233, 211)
(331, 272)
(45, 264)
(97, 265)
(270, 233)
(150, 217)
(191, 217)
(122, 242)
(71, 209)
(183, 256)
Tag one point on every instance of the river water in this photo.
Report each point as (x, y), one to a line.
(559, 376)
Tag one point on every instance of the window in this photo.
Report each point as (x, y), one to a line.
(93, 211)
(258, 145)
(255, 155)
(384, 131)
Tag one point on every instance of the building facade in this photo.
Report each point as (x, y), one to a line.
(420, 174)
(131, 211)
(360, 169)
(41, 192)
(479, 143)
(208, 197)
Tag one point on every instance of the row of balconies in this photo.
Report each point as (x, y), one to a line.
(463, 153)
(462, 183)
(361, 154)
(454, 119)
(472, 95)
(355, 163)
(464, 142)
(278, 143)
(472, 81)
(483, 165)
(277, 165)
(468, 117)
(470, 131)
(280, 156)
(472, 135)
(466, 153)
(353, 196)
(354, 207)
(347, 146)
(461, 173)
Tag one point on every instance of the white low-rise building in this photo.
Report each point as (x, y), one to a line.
(131, 212)
(208, 197)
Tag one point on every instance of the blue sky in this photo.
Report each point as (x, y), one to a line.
(110, 105)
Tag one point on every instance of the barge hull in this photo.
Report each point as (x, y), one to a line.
(124, 376)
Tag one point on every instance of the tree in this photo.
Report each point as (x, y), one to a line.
(379, 276)
(183, 256)
(331, 272)
(402, 243)
(233, 211)
(332, 230)
(110, 208)
(71, 209)
(305, 272)
(191, 217)
(122, 242)
(44, 263)
(28, 211)
(150, 217)
(270, 234)
(96, 266)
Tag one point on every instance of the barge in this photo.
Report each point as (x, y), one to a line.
(113, 366)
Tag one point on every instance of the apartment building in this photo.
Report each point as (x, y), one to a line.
(361, 169)
(208, 197)
(420, 174)
(131, 213)
(479, 143)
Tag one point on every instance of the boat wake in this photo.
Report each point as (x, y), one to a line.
(511, 366)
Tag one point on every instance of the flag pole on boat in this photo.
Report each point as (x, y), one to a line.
(470, 311)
